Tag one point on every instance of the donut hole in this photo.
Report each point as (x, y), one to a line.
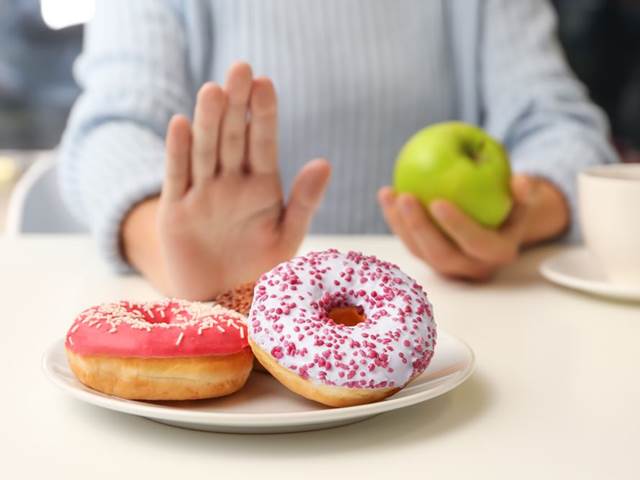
(348, 316)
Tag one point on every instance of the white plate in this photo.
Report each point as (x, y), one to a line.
(265, 406)
(578, 269)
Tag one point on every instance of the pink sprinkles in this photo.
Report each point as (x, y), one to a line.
(289, 319)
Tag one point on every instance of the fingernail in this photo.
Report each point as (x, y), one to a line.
(523, 189)
(438, 209)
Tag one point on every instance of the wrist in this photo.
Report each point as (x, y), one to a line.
(141, 244)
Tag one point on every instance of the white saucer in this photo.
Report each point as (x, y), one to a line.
(265, 406)
(578, 269)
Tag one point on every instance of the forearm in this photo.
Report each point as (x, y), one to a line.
(140, 243)
(113, 150)
(538, 110)
(548, 215)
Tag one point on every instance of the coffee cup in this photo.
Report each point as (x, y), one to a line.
(609, 211)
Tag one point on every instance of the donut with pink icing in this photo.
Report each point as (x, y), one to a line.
(166, 350)
(341, 329)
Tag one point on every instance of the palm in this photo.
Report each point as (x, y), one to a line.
(236, 240)
(222, 216)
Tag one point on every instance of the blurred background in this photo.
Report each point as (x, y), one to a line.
(40, 39)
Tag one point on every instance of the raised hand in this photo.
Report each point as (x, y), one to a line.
(222, 219)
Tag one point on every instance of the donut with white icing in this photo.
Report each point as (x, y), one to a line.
(167, 350)
(341, 329)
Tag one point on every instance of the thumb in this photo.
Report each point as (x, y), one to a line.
(306, 193)
(522, 190)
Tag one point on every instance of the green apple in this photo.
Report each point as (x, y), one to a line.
(460, 163)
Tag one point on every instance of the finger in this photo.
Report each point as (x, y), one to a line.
(435, 248)
(306, 193)
(387, 201)
(206, 130)
(177, 164)
(234, 124)
(263, 128)
(475, 240)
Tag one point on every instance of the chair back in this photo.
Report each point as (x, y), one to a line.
(36, 204)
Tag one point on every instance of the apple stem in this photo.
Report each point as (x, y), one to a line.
(474, 151)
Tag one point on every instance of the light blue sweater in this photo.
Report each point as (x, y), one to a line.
(355, 79)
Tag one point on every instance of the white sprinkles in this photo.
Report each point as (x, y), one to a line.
(180, 314)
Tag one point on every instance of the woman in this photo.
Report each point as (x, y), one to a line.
(356, 79)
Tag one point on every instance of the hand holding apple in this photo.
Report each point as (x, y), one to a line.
(458, 246)
(455, 192)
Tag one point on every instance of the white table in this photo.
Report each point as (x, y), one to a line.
(556, 393)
